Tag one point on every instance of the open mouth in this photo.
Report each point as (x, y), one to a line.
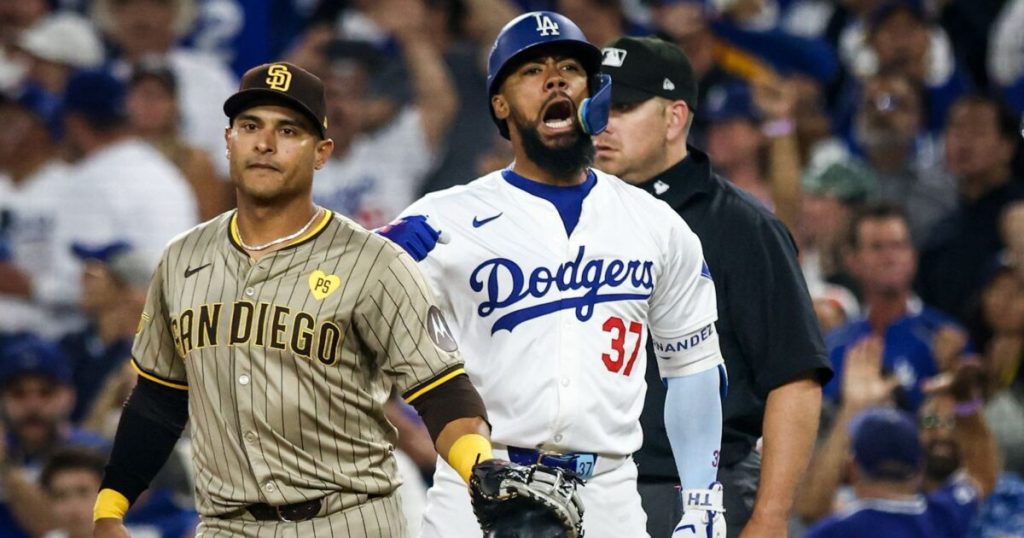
(558, 114)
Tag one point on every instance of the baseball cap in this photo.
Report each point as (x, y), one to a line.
(730, 102)
(41, 104)
(27, 353)
(645, 67)
(154, 68)
(63, 38)
(95, 94)
(124, 262)
(282, 84)
(850, 181)
(885, 444)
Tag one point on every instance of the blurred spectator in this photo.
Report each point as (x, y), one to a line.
(904, 40)
(819, 146)
(365, 178)
(71, 479)
(881, 258)
(1011, 230)
(1006, 53)
(601, 20)
(56, 46)
(33, 196)
(36, 398)
(16, 16)
(981, 139)
(997, 325)
(141, 28)
(890, 133)
(831, 195)
(115, 278)
(154, 115)
(908, 482)
(124, 189)
(735, 141)
(465, 31)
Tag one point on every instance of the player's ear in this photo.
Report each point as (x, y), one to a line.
(500, 106)
(324, 148)
(677, 114)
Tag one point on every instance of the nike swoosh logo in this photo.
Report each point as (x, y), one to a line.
(480, 222)
(190, 271)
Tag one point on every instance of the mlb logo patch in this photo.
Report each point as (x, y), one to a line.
(614, 57)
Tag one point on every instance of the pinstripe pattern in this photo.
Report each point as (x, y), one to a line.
(288, 362)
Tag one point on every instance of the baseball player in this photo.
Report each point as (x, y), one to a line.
(553, 278)
(278, 331)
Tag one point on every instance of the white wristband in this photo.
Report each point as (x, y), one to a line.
(707, 500)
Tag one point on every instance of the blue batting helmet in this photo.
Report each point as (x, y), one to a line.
(539, 28)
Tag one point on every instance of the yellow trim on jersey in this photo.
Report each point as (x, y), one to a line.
(156, 379)
(328, 214)
(434, 384)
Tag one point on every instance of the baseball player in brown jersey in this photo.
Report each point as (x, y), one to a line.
(279, 330)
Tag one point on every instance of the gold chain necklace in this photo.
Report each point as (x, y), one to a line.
(278, 241)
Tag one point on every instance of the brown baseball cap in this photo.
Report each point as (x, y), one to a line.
(281, 84)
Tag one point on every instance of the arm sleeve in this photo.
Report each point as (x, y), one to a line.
(693, 422)
(683, 307)
(400, 322)
(151, 423)
(771, 310)
(155, 351)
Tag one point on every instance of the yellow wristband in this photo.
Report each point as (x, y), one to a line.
(466, 451)
(110, 503)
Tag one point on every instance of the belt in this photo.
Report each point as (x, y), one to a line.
(585, 464)
(288, 512)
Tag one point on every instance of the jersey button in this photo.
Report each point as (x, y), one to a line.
(250, 436)
(243, 379)
(558, 438)
(250, 291)
(565, 381)
(269, 487)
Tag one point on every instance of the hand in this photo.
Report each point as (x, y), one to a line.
(863, 383)
(703, 514)
(400, 18)
(774, 97)
(947, 345)
(109, 527)
(414, 234)
(965, 383)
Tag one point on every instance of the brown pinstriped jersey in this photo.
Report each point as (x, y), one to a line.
(289, 360)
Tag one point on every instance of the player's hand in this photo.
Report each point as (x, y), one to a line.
(109, 527)
(703, 514)
(414, 234)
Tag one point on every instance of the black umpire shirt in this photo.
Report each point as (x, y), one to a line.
(767, 329)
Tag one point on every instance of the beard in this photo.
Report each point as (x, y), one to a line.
(942, 459)
(573, 153)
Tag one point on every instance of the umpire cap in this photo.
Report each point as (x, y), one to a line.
(281, 84)
(646, 67)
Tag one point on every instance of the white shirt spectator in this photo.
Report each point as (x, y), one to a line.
(125, 192)
(381, 173)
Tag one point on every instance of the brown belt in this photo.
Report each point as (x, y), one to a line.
(288, 512)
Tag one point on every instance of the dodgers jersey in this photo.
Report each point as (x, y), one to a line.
(553, 326)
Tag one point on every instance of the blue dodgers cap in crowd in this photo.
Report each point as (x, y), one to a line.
(41, 104)
(27, 353)
(124, 262)
(885, 444)
(97, 95)
(730, 102)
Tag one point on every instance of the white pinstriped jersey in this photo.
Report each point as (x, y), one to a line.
(553, 327)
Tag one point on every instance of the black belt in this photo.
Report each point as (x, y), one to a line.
(289, 512)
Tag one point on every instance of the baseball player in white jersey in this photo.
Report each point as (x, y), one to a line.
(553, 278)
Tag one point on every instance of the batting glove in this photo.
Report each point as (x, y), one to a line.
(703, 514)
(414, 234)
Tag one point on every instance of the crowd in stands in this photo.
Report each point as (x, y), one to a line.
(886, 135)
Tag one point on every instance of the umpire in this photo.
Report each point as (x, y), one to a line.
(769, 335)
